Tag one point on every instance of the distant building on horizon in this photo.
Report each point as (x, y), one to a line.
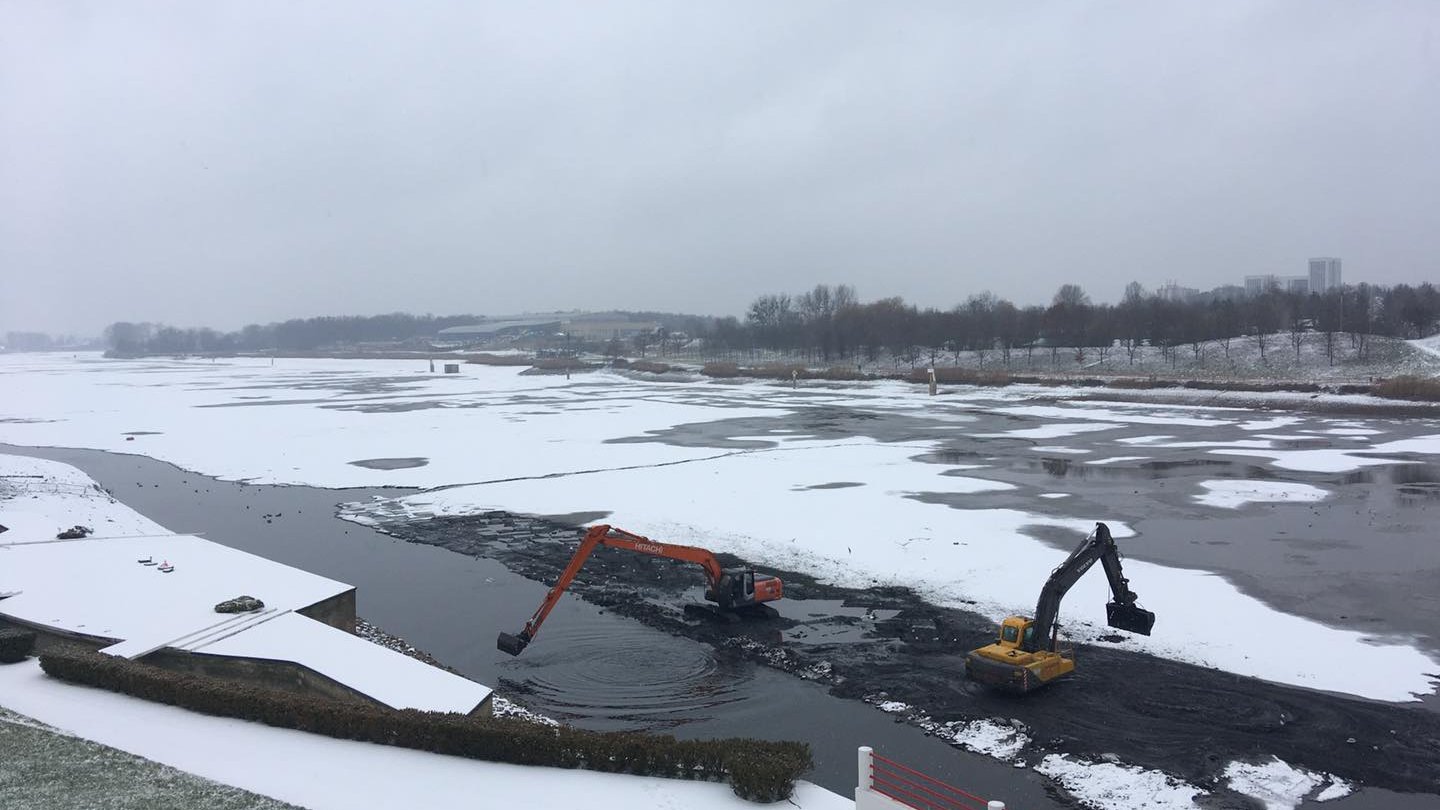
(1227, 292)
(1324, 275)
(1172, 291)
(1261, 284)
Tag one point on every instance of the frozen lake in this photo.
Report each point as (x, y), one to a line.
(1258, 536)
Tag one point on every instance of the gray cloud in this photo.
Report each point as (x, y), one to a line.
(221, 163)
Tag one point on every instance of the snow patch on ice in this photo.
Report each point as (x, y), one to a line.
(1159, 442)
(1280, 785)
(1134, 413)
(1270, 424)
(1054, 431)
(1332, 460)
(1072, 451)
(1117, 460)
(999, 738)
(1233, 494)
(989, 737)
(1112, 786)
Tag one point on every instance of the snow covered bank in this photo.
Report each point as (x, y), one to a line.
(40, 498)
(155, 589)
(328, 774)
(1111, 786)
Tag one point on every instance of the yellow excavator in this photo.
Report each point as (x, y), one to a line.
(1028, 653)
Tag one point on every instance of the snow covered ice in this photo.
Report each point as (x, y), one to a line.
(496, 439)
(679, 461)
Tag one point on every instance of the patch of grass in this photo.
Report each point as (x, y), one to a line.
(642, 365)
(1141, 383)
(776, 371)
(1253, 387)
(43, 769)
(1418, 389)
(723, 370)
(840, 373)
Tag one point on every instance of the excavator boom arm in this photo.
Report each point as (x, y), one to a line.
(619, 538)
(592, 538)
(1122, 612)
(746, 587)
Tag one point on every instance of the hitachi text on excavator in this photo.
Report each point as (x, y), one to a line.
(1028, 653)
(734, 591)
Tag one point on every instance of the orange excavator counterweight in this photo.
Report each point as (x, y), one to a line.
(733, 590)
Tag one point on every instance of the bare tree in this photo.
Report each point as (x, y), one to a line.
(1071, 294)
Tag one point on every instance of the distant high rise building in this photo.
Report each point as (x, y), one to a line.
(1324, 274)
(1255, 285)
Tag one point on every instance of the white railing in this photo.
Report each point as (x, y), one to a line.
(885, 784)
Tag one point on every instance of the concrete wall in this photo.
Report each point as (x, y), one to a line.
(284, 676)
(47, 638)
(338, 611)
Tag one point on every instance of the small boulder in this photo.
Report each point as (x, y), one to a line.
(74, 533)
(240, 604)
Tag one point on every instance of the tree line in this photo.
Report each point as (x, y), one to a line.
(295, 335)
(830, 324)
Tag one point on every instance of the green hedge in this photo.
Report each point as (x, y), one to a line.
(15, 644)
(757, 770)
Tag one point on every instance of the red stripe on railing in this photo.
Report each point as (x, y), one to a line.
(905, 797)
(890, 778)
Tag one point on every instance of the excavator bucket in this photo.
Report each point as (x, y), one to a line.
(513, 645)
(1129, 617)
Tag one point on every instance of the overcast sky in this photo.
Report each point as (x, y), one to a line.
(219, 163)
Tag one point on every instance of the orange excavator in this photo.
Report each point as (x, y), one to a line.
(735, 591)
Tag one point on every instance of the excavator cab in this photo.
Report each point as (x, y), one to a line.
(1013, 629)
(742, 587)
